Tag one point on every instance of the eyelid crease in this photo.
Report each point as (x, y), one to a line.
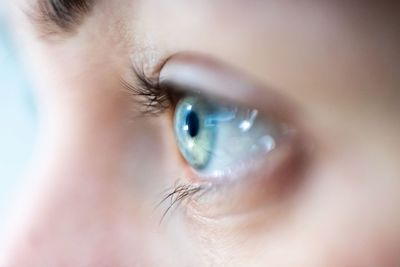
(191, 72)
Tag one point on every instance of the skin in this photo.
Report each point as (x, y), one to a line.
(100, 166)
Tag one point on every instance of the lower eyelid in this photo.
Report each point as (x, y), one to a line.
(267, 181)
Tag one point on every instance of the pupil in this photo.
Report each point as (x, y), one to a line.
(192, 121)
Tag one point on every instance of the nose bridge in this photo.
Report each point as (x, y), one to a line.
(56, 219)
(80, 205)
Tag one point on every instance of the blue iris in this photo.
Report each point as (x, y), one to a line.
(195, 137)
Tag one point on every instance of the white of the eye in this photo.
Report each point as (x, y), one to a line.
(217, 173)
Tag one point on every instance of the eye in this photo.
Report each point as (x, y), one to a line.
(216, 138)
(235, 135)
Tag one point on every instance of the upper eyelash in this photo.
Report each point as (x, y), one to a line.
(153, 98)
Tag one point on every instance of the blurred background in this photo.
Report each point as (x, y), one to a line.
(18, 118)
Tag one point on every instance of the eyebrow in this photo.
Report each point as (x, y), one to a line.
(61, 16)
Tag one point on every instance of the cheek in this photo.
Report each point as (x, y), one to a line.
(98, 170)
(341, 216)
(88, 195)
(348, 216)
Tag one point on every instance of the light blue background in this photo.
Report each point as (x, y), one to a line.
(17, 118)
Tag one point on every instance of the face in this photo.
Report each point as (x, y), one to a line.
(210, 133)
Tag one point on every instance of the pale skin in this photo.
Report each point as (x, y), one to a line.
(100, 168)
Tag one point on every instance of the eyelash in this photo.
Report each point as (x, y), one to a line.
(179, 193)
(154, 100)
(58, 17)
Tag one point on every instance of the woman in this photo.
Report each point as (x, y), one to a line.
(211, 133)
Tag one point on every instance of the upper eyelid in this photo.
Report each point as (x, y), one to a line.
(155, 91)
(199, 74)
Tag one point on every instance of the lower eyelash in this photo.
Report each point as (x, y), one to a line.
(153, 99)
(178, 194)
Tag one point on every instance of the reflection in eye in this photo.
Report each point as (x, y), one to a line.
(215, 137)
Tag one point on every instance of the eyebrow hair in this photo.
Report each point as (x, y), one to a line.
(61, 16)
